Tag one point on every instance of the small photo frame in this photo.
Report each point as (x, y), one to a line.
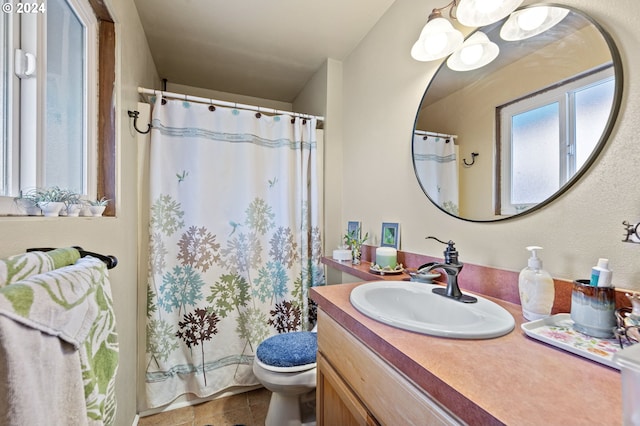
(354, 226)
(390, 235)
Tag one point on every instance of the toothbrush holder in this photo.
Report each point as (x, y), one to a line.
(593, 309)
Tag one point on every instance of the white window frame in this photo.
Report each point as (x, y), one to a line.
(564, 95)
(26, 170)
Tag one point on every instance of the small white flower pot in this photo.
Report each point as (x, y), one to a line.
(97, 210)
(28, 207)
(51, 208)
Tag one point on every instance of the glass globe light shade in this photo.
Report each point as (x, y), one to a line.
(476, 52)
(532, 17)
(478, 13)
(437, 40)
(531, 21)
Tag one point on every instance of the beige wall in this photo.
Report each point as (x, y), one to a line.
(383, 87)
(117, 235)
(371, 101)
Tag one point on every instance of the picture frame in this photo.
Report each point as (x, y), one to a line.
(354, 226)
(390, 235)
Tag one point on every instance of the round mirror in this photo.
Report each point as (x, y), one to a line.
(506, 138)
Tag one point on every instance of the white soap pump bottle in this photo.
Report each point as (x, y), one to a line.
(537, 291)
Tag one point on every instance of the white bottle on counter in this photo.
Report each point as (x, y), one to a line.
(600, 274)
(537, 291)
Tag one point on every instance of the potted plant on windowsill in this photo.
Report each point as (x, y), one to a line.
(95, 207)
(27, 202)
(52, 200)
(74, 204)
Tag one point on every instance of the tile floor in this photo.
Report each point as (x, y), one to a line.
(247, 409)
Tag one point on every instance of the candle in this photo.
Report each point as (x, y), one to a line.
(386, 256)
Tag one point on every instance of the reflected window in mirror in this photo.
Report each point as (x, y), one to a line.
(545, 137)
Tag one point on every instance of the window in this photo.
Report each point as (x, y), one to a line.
(545, 138)
(49, 81)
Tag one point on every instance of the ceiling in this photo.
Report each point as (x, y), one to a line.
(265, 49)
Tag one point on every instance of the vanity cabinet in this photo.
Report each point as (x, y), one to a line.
(356, 387)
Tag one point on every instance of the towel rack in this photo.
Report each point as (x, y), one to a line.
(110, 260)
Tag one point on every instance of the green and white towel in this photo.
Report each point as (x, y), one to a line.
(24, 265)
(73, 303)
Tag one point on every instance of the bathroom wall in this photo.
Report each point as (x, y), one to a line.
(383, 87)
(109, 235)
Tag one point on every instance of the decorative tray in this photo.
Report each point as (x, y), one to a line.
(557, 330)
(377, 270)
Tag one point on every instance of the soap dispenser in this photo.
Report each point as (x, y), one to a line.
(536, 288)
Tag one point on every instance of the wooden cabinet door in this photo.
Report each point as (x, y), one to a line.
(336, 402)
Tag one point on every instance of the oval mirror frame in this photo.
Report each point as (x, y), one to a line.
(608, 128)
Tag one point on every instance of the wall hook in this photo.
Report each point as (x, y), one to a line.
(632, 231)
(473, 159)
(134, 115)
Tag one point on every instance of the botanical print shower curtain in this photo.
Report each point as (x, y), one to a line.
(235, 243)
(436, 165)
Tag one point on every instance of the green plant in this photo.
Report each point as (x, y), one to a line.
(74, 198)
(30, 196)
(54, 194)
(352, 239)
(101, 202)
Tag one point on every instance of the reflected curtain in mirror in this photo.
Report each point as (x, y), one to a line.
(436, 164)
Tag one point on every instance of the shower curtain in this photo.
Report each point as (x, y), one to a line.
(437, 169)
(234, 245)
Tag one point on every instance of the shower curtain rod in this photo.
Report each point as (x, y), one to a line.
(162, 93)
(434, 134)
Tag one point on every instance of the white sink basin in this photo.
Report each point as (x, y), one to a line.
(412, 306)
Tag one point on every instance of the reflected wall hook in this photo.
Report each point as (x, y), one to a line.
(473, 159)
(134, 115)
(632, 232)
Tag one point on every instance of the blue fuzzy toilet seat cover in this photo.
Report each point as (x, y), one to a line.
(289, 349)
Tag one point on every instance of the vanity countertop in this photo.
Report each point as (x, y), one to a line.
(510, 380)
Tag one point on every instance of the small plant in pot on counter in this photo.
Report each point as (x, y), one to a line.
(353, 240)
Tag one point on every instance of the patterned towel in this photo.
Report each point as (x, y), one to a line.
(73, 303)
(22, 266)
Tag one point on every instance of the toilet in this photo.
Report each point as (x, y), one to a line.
(285, 364)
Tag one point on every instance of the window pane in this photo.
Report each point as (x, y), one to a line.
(534, 154)
(593, 105)
(5, 74)
(64, 146)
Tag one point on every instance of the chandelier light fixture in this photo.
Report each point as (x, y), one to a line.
(439, 39)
